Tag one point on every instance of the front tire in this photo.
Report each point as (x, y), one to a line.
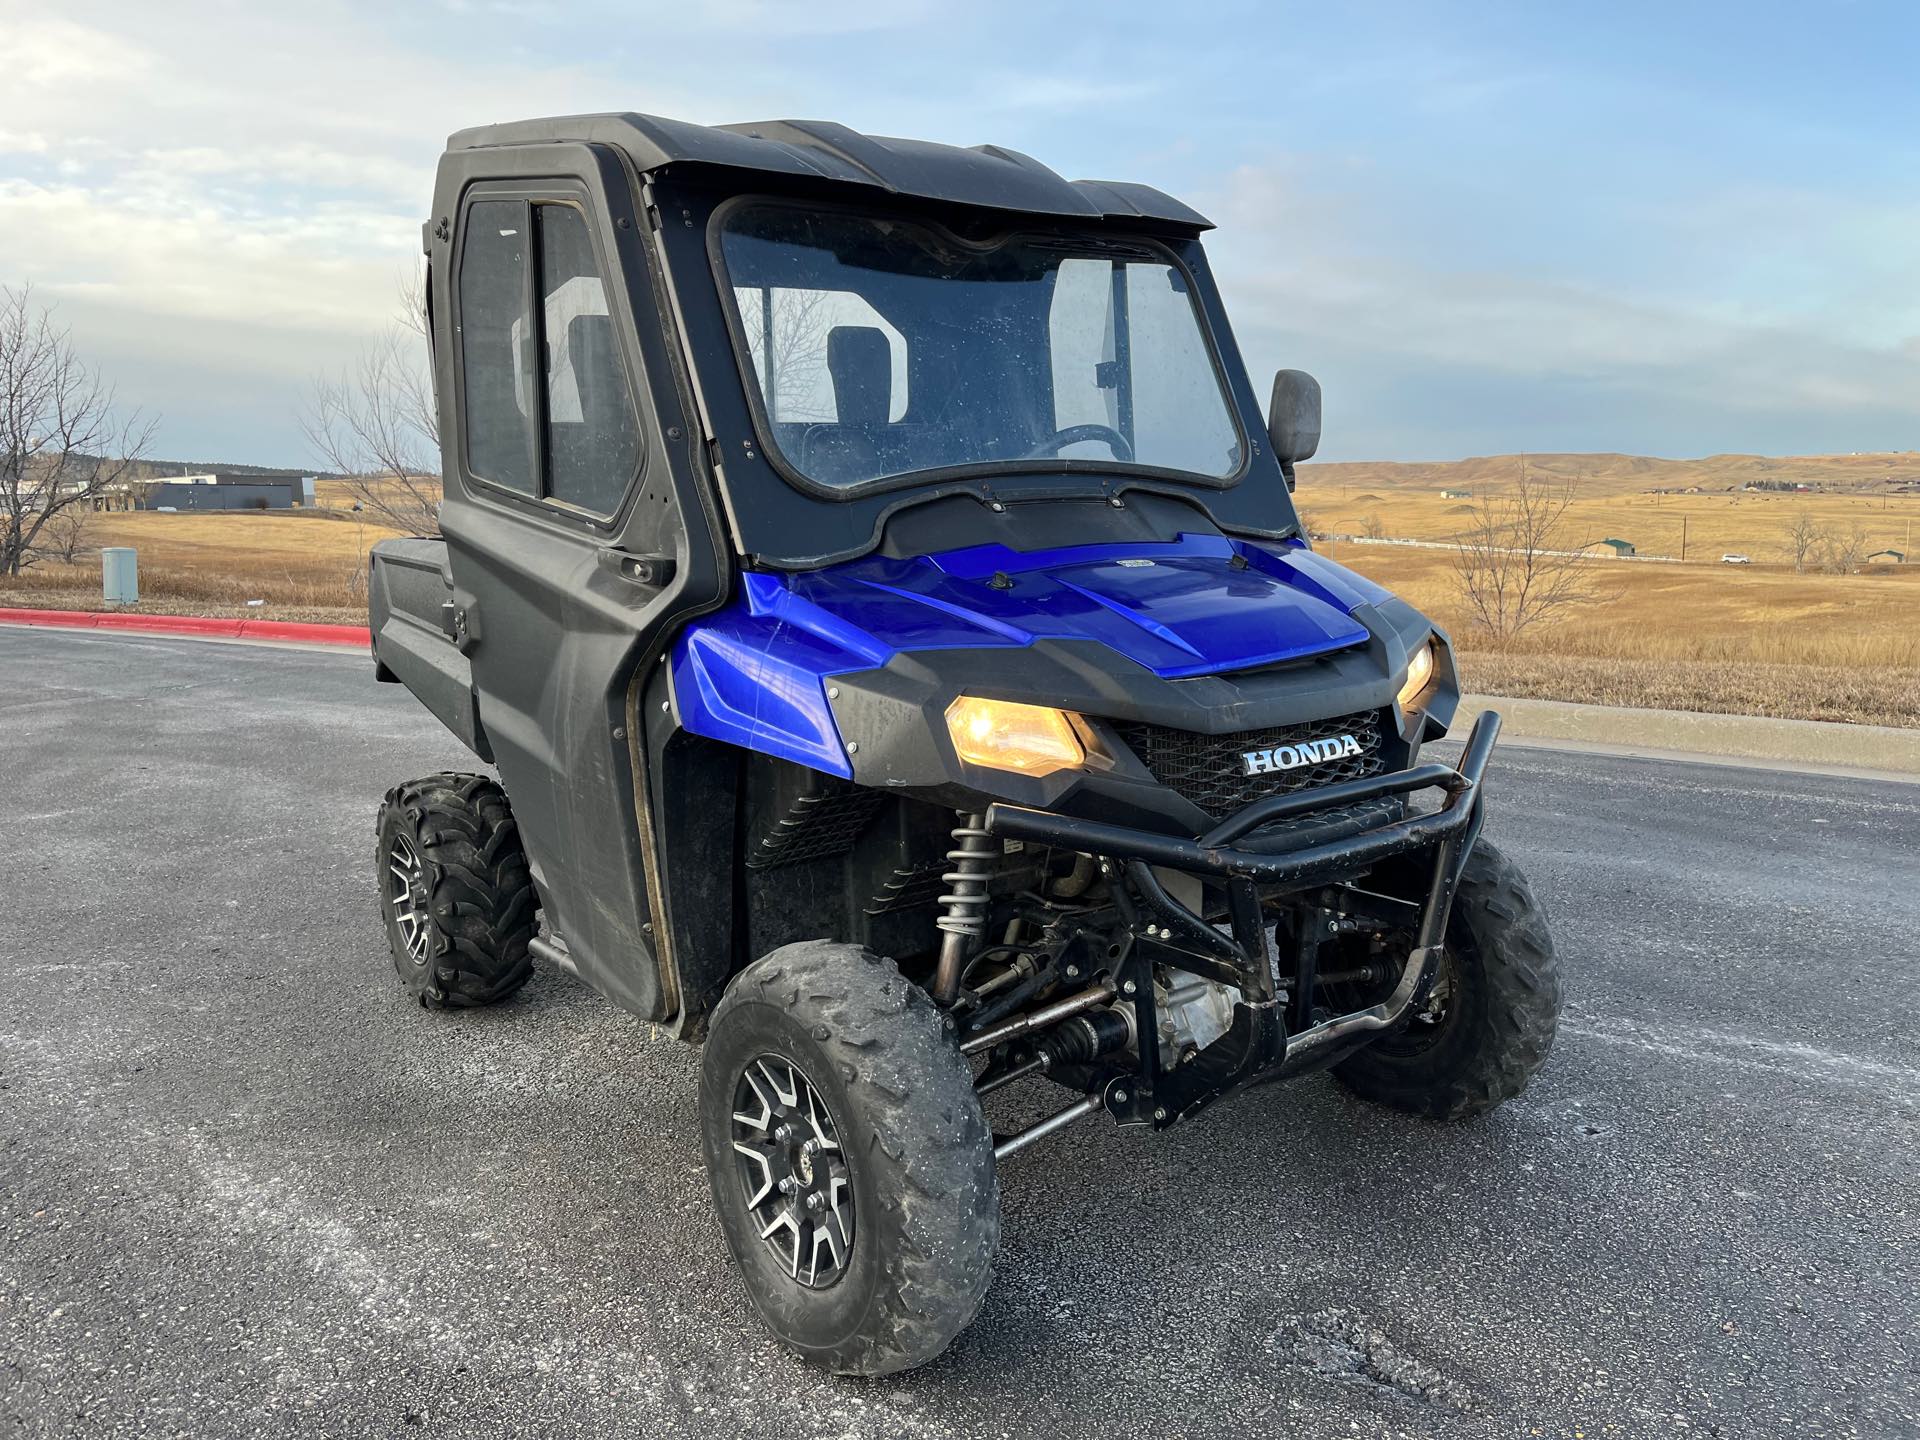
(455, 891)
(1491, 1012)
(852, 1169)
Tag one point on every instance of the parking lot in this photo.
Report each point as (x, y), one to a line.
(248, 1190)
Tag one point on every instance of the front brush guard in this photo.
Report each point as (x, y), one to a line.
(1258, 1047)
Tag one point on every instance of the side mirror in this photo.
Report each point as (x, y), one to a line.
(1293, 424)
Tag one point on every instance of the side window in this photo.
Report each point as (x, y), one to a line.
(1080, 333)
(592, 442)
(549, 411)
(1129, 354)
(1179, 417)
(494, 348)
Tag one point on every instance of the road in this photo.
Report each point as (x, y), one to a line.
(248, 1190)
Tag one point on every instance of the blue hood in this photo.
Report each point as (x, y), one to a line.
(754, 673)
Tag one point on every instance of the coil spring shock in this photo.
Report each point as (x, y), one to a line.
(963, 906)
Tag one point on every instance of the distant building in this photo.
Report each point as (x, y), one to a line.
(1456, 494)
(1610, 548)
(231, 490)
(1887, 557)
(239, 494)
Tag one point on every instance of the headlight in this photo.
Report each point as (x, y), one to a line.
(1032, 739)
(1419, 672)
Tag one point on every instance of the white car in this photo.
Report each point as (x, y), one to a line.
(1732, 559)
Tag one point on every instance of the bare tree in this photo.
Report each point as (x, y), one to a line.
(377, 424)
(795, 328)
(1844, 552)
(1511, 563)
(65, 534)
(1805, 539)
(138, 489)
(1373, 526)
(61, 442)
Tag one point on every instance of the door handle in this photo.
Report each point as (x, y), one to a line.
(652, 571)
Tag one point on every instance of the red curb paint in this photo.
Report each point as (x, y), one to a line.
(293, 631)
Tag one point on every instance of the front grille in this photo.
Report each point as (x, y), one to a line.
(1211, 770)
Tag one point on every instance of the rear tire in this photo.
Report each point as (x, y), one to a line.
(1499, 999)
(455, 891)
(871, 1251)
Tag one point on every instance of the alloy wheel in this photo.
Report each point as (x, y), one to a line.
(793, 1171)
(407, 897)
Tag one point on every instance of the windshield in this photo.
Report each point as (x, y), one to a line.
(885, 348)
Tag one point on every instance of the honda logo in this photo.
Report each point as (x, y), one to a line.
(1307, 752)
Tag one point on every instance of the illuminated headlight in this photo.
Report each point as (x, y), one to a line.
(1030, 739)
(1419, 673)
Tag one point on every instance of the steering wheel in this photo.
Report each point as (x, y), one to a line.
(1074, 434)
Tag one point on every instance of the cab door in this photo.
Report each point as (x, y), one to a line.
(575, 532)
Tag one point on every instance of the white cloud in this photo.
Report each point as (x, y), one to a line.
(313, 271)
(1308, 264)
(240, 188)
(1059, 89)
(48, 56)
(788, 17)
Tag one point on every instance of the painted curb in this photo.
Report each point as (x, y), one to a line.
(206, 627)
(1814, 744)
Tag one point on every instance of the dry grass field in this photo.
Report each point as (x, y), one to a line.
(306, 565)
(1755, 639)
(1693, 637)
(1754, 525)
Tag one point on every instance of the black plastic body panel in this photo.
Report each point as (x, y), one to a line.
(556, 635)
(832, 156)
(409, 607)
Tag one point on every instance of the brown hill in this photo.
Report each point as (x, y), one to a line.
(1614, 474)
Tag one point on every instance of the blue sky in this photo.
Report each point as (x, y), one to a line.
(1674, 229)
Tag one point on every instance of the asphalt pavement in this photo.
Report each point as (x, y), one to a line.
(247, 1189)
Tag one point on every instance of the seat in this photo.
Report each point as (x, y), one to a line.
(860, 364)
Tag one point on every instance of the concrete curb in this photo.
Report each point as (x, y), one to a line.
(1795, 744)
(205, 627)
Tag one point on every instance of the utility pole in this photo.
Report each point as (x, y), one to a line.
(1683, 537)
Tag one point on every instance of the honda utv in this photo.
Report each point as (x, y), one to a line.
(868, 571)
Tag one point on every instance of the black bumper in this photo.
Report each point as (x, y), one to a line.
(1274, 1034)
(1213, 855)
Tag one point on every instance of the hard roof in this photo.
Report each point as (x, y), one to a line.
(985, 175)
